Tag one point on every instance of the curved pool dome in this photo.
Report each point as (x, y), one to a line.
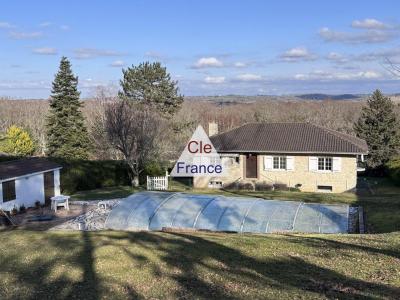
(157, 210)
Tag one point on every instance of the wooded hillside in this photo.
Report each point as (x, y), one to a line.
(231, 112)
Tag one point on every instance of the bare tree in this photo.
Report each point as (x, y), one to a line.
(96, 122)
(392, 67)
(133, 130)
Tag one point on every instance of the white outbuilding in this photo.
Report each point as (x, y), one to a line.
(26, 181)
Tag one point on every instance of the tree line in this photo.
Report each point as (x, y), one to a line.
(148, 121)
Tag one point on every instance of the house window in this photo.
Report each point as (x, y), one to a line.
(215, 184)
(279, 162)
(324, 188)
(324, 163)
(9, 191)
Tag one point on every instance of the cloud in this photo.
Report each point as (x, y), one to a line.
(117, 63)
(25, 84)
(87, 53)
(336, 57)
(153, 54)
(45, 51)
(89, 83)
(64, 27)
(367, 36)
(369, 24)
(380, 55)
(208, 62)
(240, 64)
(301, 76)
(15, 35)
(6, 25)
(297, 54)
(45, 24)
(214, 79)
(248, 77)
(330, 76)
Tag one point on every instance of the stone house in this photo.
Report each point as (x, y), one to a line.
(302, 155)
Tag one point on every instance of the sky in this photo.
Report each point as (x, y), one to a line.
(208, 47)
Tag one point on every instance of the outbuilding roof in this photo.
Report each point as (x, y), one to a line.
(288, 138)
(26, 166)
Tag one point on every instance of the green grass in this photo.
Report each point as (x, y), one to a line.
(105, 193)
(158, 265)
(155, 265)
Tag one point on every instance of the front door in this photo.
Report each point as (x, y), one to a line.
(48, 186)
(251, 166)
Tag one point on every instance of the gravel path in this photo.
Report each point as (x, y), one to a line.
(94, 218)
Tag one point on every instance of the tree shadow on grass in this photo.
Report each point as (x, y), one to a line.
(200, 265)
(320, 242)
(187, 253)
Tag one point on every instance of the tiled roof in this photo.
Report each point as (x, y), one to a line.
(21, 167)
(288, 138)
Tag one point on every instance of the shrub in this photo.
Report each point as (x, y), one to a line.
(17, 142)
(231, 186)
(245, 186)
(22, 208)
(153, 168)
(37, 204)
(263, 186)
(393, 167)
(281, 187)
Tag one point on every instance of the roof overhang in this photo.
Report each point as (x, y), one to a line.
(29, 174)
(292, 152)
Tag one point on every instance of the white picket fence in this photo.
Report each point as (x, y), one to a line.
(159, 183)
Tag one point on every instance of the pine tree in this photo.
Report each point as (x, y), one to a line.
(379, 127)
(150, 84)
(67, 135)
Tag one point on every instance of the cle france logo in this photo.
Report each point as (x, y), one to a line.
(199, 158)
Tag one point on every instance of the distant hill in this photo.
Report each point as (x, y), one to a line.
(328, 97)
(234, 99)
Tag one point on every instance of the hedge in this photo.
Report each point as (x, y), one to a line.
(393, 167)
(80, 175)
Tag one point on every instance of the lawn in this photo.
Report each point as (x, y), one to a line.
(199, 265)
(105, 193)
(156, 265)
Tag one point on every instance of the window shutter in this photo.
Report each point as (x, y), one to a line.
(336, 164)
(268, 162)
(313, 163)
(290, 163)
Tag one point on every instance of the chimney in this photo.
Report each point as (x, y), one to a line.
(212, 128)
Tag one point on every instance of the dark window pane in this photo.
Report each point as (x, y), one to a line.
(276, 162)
(324, 188)
(283, 162)
(321, 163)
(9, 190)
(328, 163)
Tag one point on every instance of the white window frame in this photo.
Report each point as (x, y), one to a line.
(325, 158)
(281, 159)
(288, 164)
